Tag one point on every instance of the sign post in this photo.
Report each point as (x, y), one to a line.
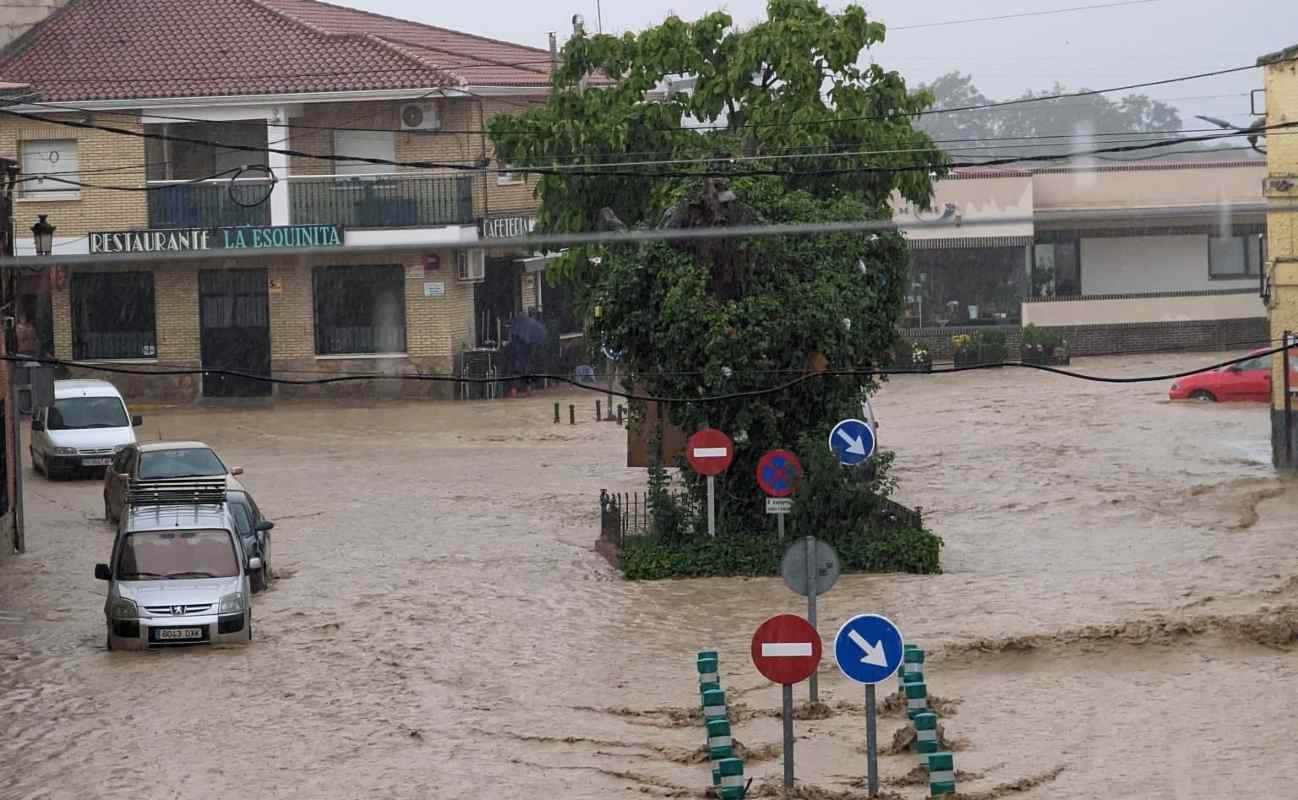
(810, 567)
(786, 649)
(710, 453)
(778, 473)
(869, 650)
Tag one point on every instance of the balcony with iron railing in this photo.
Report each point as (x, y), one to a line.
(392, 200)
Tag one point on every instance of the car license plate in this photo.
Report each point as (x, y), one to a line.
(179, 634)
(96, 462)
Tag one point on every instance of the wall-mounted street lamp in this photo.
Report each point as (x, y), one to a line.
(43, 235)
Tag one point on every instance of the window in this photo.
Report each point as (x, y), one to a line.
(360, 310)
(470, 265)
(507, 177)
(164, 554)
(54, 160)
(112, 315)
(365, 144)
(1057, 270)
(187, 462)
(1236, 256)
(80, 413)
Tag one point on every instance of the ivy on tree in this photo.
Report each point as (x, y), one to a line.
(717, 316)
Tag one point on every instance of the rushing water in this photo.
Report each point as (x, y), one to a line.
(1113, 621)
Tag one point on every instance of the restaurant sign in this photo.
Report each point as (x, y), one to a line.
(179, 240)
(506, 227)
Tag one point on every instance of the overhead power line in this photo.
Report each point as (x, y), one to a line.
(1001, 17)
(858, 374)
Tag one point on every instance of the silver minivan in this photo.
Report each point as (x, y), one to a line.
(81, 431)
(178, 572)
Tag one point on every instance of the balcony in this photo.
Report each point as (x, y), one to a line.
(381, 201)
(208, 205)
(351, 201)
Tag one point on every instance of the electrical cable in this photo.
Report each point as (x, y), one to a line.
(608, 173)
(718, 398)
(884, 117)
(1002, 17)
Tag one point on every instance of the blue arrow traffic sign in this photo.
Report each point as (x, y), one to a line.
(868, 648)
(852, 441)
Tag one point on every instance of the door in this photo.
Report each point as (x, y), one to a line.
(1255, 383)
(234, 314)
(497, 298)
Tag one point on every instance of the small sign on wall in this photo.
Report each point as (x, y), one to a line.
(276, 286)
(434, 288)
(432, 263)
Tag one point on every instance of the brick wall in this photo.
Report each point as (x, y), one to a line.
(1101, 340)
(1281, 81)
(98, 152)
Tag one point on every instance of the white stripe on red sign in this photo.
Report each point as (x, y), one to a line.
(710, 452)
(790, 649)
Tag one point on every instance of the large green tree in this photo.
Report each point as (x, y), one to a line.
(782, 124)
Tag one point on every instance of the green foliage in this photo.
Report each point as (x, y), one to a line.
(1077, 117)
(1041, 337)
(735, 315)
(878, 550)
(839, 505)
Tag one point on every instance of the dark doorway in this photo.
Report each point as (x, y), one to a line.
(497, 299)
(235, 319)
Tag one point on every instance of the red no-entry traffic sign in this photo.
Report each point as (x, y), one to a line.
(710, 452)
(786, 649)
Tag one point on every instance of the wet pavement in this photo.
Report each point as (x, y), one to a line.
(1120, 593)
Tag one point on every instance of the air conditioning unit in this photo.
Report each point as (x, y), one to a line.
(420, 117)
(470, 266)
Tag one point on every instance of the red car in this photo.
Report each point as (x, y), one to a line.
(1247, 380)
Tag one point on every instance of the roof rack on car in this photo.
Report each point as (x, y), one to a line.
(176, 491)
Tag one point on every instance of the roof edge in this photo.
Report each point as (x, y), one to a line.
(480, 61)
(376, 15)
(20, 44)
(1271, 59)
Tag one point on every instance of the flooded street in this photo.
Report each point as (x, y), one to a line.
(1121, 589)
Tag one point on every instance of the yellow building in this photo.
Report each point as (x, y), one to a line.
(1281, 190)
(255, 235)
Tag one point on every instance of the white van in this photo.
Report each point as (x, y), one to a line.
(80, 432)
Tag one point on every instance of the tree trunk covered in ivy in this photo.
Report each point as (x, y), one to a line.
(704, 317)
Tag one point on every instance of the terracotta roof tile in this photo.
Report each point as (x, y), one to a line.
(126, 49)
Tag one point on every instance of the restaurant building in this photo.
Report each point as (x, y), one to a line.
(226, 202)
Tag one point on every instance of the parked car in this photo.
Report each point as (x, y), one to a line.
(157, 461)
(254, 530)
(178, 573)
(86, 425)
(1248, 380)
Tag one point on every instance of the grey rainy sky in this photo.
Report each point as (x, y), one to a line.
(1091, 49)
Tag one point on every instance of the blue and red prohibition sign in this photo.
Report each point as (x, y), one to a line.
(778, 473)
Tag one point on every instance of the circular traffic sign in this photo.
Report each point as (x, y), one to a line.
(778, 473)
(710, 452)
(852, 441)
(786, 649)
(869, 649)
(825, 568)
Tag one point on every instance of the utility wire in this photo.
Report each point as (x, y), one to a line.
(717, 398)
(603, 173)
(1018, 15)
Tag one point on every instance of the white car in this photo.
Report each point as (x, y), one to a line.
(87, 424)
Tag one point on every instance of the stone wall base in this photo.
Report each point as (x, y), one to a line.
(1105, 340)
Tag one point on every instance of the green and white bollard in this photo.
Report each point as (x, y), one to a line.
(925, 735)
(916, 698)
(941, 774)
(901, 671)
(707, 665)
(714, 704)
(732, 778)
(913, 664)
(719, 735)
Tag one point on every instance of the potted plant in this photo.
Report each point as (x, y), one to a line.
(1044, 346)
(911, 356)
(987, 346)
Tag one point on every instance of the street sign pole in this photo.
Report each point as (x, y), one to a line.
(788, 734)
(871, 741)
(811, 605)
(779, 521)
(869, 650)
(712, 505)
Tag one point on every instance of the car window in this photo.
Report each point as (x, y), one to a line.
(1261, 362)
(185, 462)
(243, 516)
(151, 555)
(256, 512)
(74, 413)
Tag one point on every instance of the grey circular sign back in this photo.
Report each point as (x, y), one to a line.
(824, 566)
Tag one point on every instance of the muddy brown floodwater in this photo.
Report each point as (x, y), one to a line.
(1115, 619)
